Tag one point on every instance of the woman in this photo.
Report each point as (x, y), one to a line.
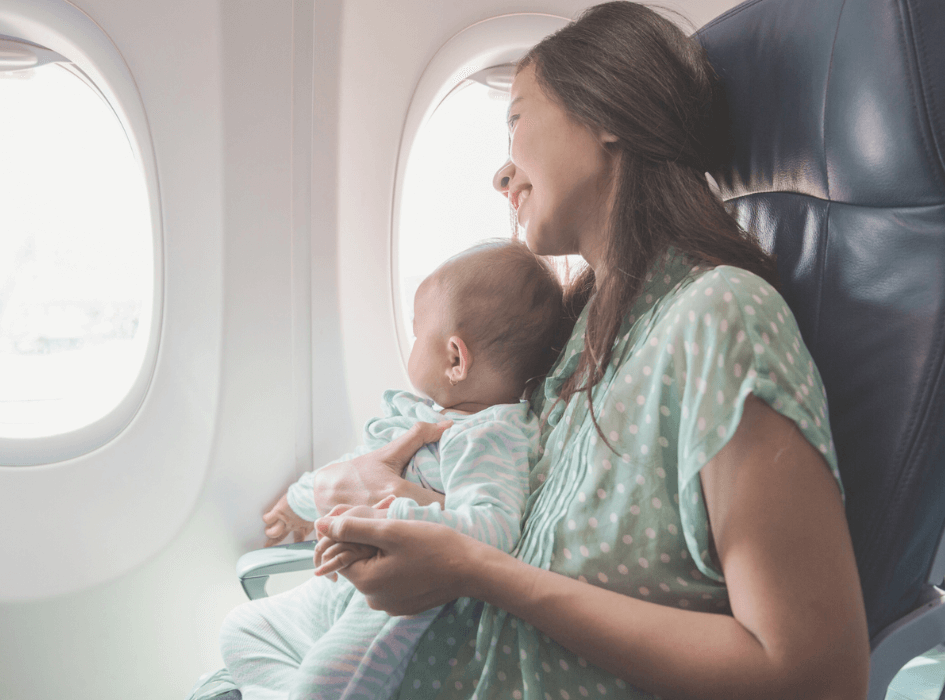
(685, 536)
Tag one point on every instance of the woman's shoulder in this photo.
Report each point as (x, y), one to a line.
(727, 293)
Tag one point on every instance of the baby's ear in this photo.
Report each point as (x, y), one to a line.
(460, 360)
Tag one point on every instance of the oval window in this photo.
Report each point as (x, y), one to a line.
(76, 249)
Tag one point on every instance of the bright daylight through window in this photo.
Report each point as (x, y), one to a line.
(76, 260)
(448, 202)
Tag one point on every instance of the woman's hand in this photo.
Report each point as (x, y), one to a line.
(331, 556)
(372, 477)
(416, 565)
(282, 520)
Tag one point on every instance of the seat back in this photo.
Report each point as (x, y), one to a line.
(838, 127)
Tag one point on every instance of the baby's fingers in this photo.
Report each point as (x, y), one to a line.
(324, 542)
(331, 552)
(336, 560)
(276, 532)
(385, 503)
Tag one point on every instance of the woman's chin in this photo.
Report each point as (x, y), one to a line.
(534, 241)
(542, 246)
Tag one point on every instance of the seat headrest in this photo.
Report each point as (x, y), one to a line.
(837, 99)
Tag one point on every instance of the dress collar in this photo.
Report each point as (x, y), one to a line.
(671, 271)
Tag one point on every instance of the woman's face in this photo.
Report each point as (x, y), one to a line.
(558, 176)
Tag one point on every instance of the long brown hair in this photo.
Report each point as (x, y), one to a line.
(624, 69)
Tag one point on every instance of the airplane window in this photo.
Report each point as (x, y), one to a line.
(76, 259)
(448, 203)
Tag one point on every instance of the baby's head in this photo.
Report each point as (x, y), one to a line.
(487, 324)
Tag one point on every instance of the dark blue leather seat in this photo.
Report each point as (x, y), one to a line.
(838, 128)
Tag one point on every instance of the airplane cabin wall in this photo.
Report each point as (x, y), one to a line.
(299, 107)
(230, 83)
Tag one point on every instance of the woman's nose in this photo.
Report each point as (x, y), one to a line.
(503, 177)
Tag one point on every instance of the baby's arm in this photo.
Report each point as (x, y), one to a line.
(485, 475)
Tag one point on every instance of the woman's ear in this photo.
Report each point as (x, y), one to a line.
(606, 138)
(460, 360)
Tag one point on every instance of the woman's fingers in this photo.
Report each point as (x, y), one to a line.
(339, 509)
(397, 453)
(370, 531)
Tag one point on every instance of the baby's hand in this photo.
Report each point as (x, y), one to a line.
(331, 556)
(337, 555)
(384, 505)
(282, 520)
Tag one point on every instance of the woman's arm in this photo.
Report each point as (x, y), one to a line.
(798, 628)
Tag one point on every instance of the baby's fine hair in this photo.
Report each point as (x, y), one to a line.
(507, 305)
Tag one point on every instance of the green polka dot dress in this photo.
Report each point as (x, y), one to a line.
(629, 516)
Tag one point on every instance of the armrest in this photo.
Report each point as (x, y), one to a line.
(254, 568)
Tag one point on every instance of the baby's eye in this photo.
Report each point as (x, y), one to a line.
(512, 119)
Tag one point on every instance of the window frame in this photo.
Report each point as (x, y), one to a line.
(119, 92)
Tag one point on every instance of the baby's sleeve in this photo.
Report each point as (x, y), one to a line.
(485, 470)
(738, 338)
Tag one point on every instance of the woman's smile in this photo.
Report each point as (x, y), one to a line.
(517, 199)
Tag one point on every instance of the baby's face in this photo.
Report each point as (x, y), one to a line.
(429, 359)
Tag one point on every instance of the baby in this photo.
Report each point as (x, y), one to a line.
(488, 323)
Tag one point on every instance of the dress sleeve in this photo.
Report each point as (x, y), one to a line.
(485, 480)
(737, 337)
